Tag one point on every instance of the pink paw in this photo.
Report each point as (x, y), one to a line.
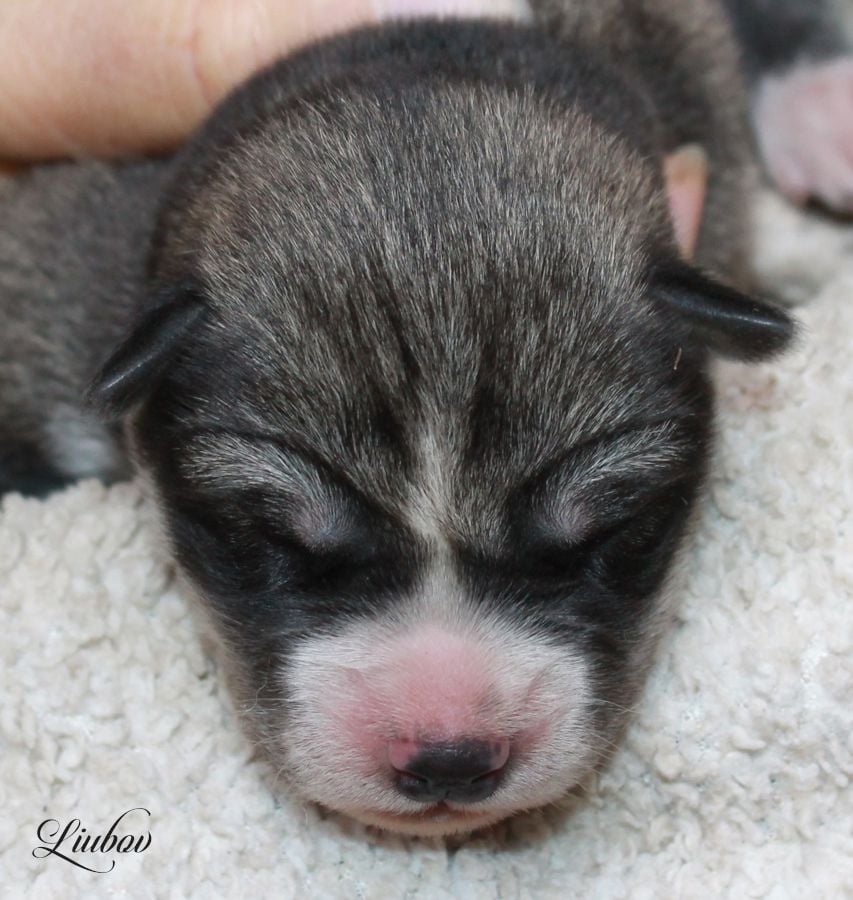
(804, 122)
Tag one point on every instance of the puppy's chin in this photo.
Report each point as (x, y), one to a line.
(436, 821)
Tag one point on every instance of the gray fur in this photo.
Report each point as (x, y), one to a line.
(72, 258)
(684, 55)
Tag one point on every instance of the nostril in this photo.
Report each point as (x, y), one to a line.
(464, 771)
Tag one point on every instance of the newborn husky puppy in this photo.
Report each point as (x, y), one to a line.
(418, 374)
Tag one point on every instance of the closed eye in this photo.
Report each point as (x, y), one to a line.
(259, 489)
(595, 488)
(569, 559)
(624, 530)
(244, 551)
(326, 547)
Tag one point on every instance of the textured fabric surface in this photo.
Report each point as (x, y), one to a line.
(734, 781)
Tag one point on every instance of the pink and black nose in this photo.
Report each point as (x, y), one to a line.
(463, 771)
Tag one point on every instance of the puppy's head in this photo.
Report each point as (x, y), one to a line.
(424, 401)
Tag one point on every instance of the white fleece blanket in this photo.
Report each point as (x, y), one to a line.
(735, 779)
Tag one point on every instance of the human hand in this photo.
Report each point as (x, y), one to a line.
(107, 78)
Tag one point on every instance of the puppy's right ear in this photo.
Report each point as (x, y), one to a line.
(726, 321)
(140, 361)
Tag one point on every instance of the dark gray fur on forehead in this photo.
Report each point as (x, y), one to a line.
(426, 260)
(484, 316)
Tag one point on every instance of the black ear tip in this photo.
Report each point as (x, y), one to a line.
(100, 398)
(773, 330)
(134, 367)
(727, 321)
(112, 391)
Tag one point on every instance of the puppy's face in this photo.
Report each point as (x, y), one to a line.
(426, 413)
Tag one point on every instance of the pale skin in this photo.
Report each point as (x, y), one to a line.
(111, 78)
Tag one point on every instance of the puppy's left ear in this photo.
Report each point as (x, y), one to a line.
(722, 318)
(142, 358)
